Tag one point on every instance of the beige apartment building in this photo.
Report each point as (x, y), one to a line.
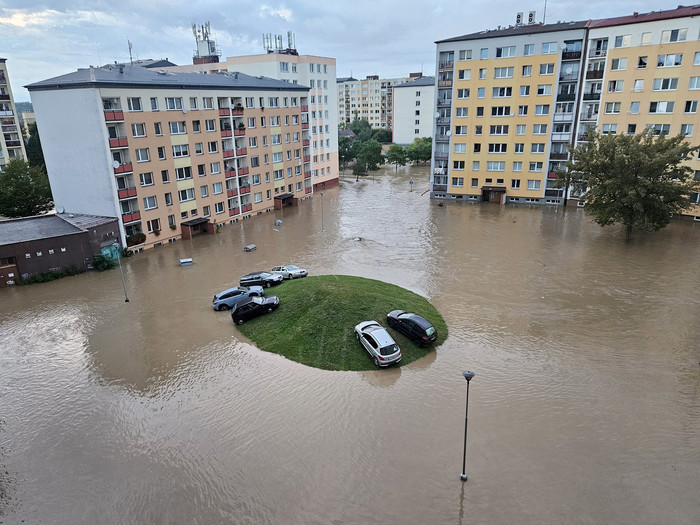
(172, 154)
(371, 99)
(11, 143)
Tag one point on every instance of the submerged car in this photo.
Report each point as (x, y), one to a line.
(265, 279)
(254, 307)
(289, 271)
(228, 298)
(379, 345)
(412, 326)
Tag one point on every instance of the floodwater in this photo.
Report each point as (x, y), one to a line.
(585, 407)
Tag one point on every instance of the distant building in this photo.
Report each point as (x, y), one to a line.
(27, 118)
(413, 110)
(11, 143)
(33, 245)
(172, 154)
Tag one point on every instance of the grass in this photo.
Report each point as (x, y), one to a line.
(314, 324)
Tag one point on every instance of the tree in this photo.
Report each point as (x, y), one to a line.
(382, 135)
(361, 128)
(420, 150)
(24, 190)
(35, 154)
(637, 180)
(369, 157)
(396, 155)
(346, 152)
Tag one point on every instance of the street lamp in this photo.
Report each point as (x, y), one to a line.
(321, 211)
(118, 247)
(468, 376)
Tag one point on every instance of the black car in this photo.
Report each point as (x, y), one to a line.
(412, 326)
(253, 307)
(265, 279)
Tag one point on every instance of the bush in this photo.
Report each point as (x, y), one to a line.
(102, 263)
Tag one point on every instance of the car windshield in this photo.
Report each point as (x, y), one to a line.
(265, 275)
(430, 331)
(292, 267)
(388, 350)
(257, 300)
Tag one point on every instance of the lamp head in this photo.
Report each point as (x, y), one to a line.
(468, 375)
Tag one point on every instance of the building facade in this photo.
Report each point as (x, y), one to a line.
(510, 101)
(371, 99)
(11, 143)
(413, 110)
(172, 154)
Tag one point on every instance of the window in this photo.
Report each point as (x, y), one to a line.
(638, 85)
(146, 179)
(634, 108)
(661, 107)
(609, 129)
(217, 188)
(204, 190)
(219, 207)
(208, 103)
(498, 130)
(256, 179)
(691, 106)
(642, 62)
(475, 183)
(481, 92)
(665, 84)
(183, 173)
(533, 184)
(458, 164)
(165, 177)
(210, 125)
(687, 130)
(475, 165)
(252, 142)
(500, 111)
(250, 102)
(134, 103)
(277, 156)
(646, 39)
(696, 59)
(177, 128)
(254, 161)
(276, 139)
(462, 112)
(674, 35)
(158, 129)
(215, 167)
(524, 91)
(138, 130)
(536, 166)
(482, 73)
(502, 92)
(694, 83)
(669, 60)
(206, 211)
(484, 53)
(504, 52)
(544, 89)
(198, 149)
(542, 109)
(274, 120)
(527, 71)
(464, 74)
(503, 72)
(153, 225)
(546, 69)
(612, 107)
(615, 86)
(463, 93)
(196, 127)
(477, 130)
(618, 64)
(539, 129)
(274, 102)
(186, 195)
(515, 184)
(142, 155)
(251, 122)
(213, 146)
(480, 111)
(519, 147)
(149, 203)
(465, 54)
(549, 48)
(623, 40)
(168, 199)
(181, 150)
(537, 148)
(496, 166)
(202, 170)
(460, 148)
(659, 129)
(172, 103)
(529, 50)
(154, 104)
(517, 166)
(284, 67)
(458, 181)
(161, 152)
(520, 129)
(193, 103)
(631, 129)
(522, 111)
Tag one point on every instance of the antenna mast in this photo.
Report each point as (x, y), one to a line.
(131, 59)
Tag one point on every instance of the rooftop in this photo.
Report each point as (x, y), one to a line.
(518, 30)
(638, 18)
(128, 76)
(420, 81)
(46, 226)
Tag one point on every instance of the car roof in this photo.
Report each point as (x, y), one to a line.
(231, 290)
(420, 321)
(380, 334)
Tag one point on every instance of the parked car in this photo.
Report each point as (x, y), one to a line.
(412, 326)
(265, 279)
(228, 298)
(253, 307)
(289, 271)
(381, 347)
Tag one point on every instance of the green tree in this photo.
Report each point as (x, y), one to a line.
(35, 154)
(382, 135)
(24, 190)
(346, 151)
(369, 157)
(361, 128)
(396, 155)
(420, 150)
(636, 180)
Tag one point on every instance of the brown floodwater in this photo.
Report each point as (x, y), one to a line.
(585, 407)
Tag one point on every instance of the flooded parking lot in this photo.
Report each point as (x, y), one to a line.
(585, 407)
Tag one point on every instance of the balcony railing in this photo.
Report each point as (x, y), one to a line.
(119, 142)
(234, 211)
(237, 112)
(4, 97)
(558, 156)
(241, 152)
(224, 112)
(124, 168)
(246, 207)
(443, 120)
(442, 138)
(244, 190)
(228, 153)
(444, 83)
(243, 171)
(131, 217)
(304, 125)
(444, 102)
(239, 132)
(553, 192)
(589, 116)
(551, 174)
(442, 155)
(570, 55)
(597, 53)
(439, 187)
(563, 117)
(304, 109)
(229, 173)
(127, 193)
(594, 74)
(564, 97)
(568, 77)
(112, 115)
(232, 193)
(591, 96)
(226, 132)
(306, 142)
(307, 174)
(446, 65)
(307, 158)
(13, 143)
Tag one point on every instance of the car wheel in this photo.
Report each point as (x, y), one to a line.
(290, 276)
(357, 336)
(376, 361)
(269, 310)
(223, 307)
(240, 321)
(267, 284)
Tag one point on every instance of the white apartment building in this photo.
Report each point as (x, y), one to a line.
(370, 99)
(11, 143)
(413, 110)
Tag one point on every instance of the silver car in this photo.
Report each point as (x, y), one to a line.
(381, 347)
(229, 298)
(289, 271)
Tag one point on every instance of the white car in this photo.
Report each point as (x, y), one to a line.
(381, 347)
(289, 271)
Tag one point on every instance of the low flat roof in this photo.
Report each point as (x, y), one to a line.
(26, 229)
(194, 222)
(284, 196)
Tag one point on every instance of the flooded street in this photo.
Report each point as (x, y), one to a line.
(585, 407)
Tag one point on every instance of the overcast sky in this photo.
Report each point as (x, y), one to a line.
(42, 39)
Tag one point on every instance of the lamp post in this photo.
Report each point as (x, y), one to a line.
(468, 376)
(118, 247)
(321, 211)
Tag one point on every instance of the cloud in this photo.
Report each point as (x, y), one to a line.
(282, 12)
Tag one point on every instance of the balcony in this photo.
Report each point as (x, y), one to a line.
(561, 136)
(591, 96)
(589, 116)
(566, 97)
(224, 112)
(446, 65)
(124, 168)
(442, 138)
(307, 174)
(7, 113)
(304, 125)
(243, 171)
(240, 132)
(8, 128)
(306, 142)
(551, 174)
(563, 117)
(119, 142)
(594, 74)
(307, 190)
(232, 193)
(442, 155)
(244, 190)
(127, 193)
(568, 77)
(13, 143)
(444, 120)
(553, 192)
(246, 207)
(444, 102)
(597, 53)
(237, 112)
(229, 173)
(114, 116)
(581, 138)
(4, 97)
(304, 109)
(228, 153)
(439, 187)
(571, 55)
(241, 152)
(226, 132)
(307, 158)
(444, 83)
(131, 217)
(558, 156)
(234, 211)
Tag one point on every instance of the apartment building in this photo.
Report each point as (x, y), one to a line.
(172, 154)
(510, 101)
(413, 110)
(315, 72)
(11, 143)
(371, 99)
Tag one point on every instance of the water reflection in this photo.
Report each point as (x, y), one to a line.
(158, 410)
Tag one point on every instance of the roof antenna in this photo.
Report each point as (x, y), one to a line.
(544, 14)
(131, 59)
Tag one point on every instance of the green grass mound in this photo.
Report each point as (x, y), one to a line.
(314, 324)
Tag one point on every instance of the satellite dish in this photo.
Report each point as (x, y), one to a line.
(60, 209)
(437, 114)
(448, 133)
(115, 164)
(562, 46)
(184, 110)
